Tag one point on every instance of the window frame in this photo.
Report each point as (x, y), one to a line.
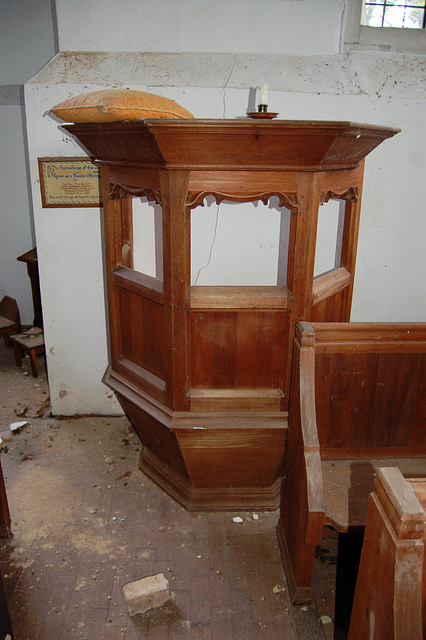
(357, 36)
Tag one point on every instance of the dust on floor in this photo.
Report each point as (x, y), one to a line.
(86, 521)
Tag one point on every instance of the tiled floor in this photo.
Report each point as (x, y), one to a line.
(86, 521)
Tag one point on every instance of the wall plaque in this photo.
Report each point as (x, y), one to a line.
(69, 182)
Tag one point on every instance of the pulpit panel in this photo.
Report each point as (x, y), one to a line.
(142, 332)
(238, 349)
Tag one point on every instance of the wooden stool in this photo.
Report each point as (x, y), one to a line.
(31, 342)
(9, 318)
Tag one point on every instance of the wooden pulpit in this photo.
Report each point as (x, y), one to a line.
(202, 372)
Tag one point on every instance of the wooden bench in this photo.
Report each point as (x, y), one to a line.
(357, 402)
(392, 570)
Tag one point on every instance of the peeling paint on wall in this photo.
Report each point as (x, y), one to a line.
(351, 73)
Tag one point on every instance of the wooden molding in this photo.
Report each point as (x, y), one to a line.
(196, 199)
(351, 195)
(330, 283)
(118, 191)
(235, 297)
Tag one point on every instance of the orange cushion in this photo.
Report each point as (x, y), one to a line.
(110, 105)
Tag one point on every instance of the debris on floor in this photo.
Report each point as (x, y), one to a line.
(278, 588)
(83, 528)
(16, 426)
(43, 407)
(147, 593)
(21, 409)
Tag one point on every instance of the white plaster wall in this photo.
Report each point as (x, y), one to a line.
(26, 44)
(71, 275)
(271, 26)
(16, 235)
(378, 88)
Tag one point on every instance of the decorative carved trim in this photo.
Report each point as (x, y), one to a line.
(196, 199)
(117, 191)
(351, 195)
(150, 194)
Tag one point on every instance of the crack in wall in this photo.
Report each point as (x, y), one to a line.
(218, 206)
(226, 85)
(211, 247)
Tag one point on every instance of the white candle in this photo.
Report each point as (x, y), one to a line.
(264, 94)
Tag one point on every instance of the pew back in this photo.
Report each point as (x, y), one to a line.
(370, 388)
(357, 402)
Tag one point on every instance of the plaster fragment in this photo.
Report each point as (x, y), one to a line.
(147, 593)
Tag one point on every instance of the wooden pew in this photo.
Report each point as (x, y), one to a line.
(357, 402)
(5, 530)
(388, 595)
(6, 631)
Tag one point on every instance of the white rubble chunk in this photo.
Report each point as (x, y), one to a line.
(147, 593)
(15, 426)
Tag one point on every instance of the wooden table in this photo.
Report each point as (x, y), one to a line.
(203, 372)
